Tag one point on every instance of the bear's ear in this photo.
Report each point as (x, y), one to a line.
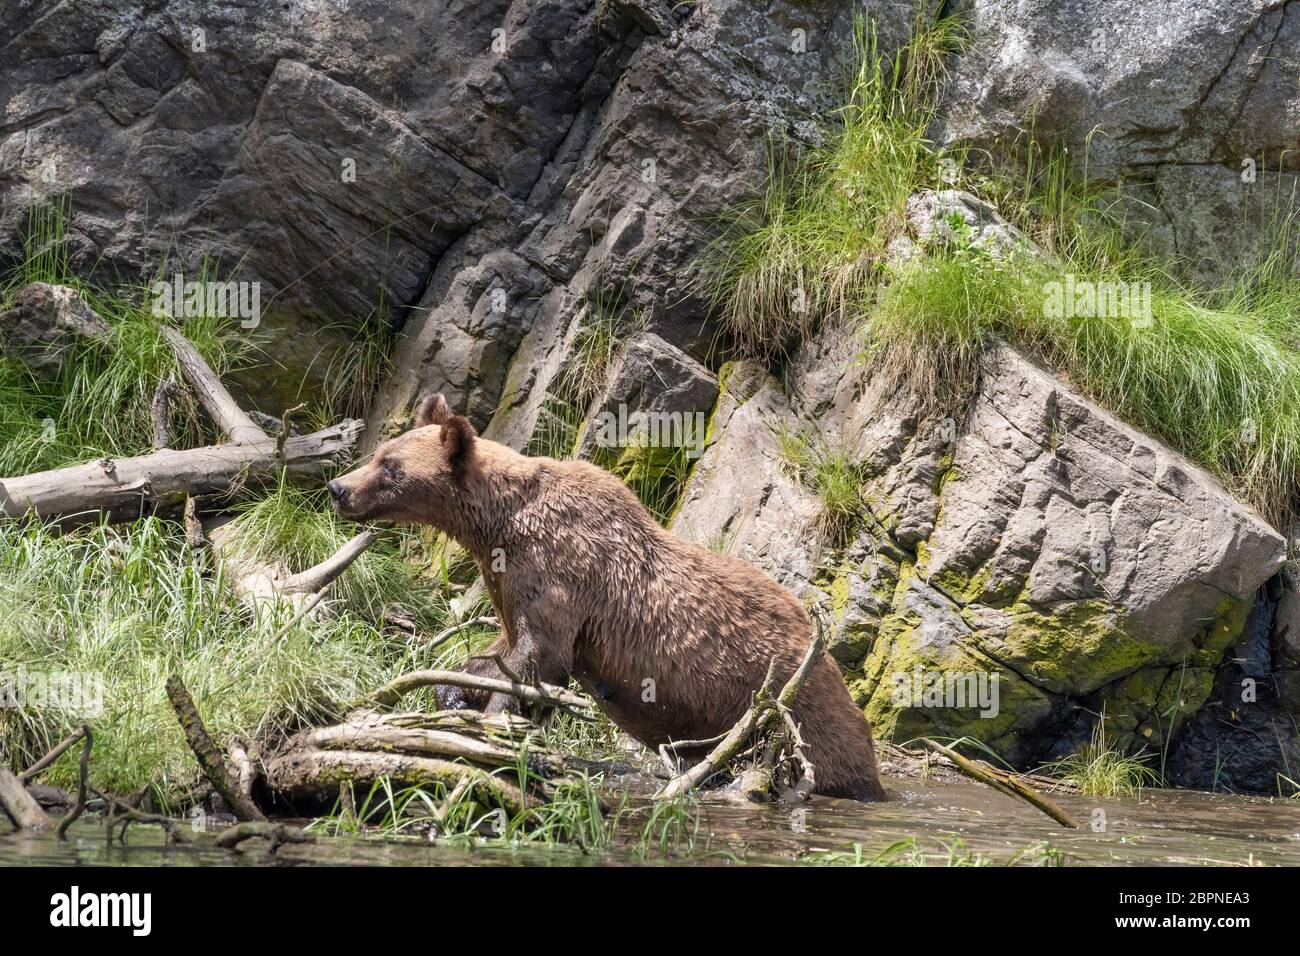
(458, 438)
(433, 411)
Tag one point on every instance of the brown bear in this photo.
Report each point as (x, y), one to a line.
(670, 639)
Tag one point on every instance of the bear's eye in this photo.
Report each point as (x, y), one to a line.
(391, 470)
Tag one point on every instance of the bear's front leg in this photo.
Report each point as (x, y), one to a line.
(481, 665)
(535, 655)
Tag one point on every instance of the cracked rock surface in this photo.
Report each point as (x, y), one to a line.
(1194, 107)
(1040, 539)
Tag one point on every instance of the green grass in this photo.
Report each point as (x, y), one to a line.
(830, 475)
(1100, 770)
(1214, 372)
(800, 254)
(125, 606)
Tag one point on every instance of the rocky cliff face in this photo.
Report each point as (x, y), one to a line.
(1195, 108)
(507, 182)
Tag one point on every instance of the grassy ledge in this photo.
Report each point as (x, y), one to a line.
(1215, 373)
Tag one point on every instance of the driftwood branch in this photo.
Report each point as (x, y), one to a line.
(322, 575)
(399, 687)
(114, 806)
(319, 578)
(59, 750)
(758, 720)
(80, 805)
(215, 398)
(727, 749)
(205, 751)
(276, 833)
(1003, 782)
(127, 487)
(442, 637)
(283, 435)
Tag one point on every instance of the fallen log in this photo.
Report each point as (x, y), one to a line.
(417, 735)
(316, 774)
(125, 488)
(21, 806)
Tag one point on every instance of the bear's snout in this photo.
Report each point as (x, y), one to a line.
(338, 494)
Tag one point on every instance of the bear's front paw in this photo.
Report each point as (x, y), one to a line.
(453, 698)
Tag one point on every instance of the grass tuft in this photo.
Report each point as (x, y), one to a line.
(1099, 770)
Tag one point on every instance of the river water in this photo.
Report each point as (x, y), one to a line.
(931, 821)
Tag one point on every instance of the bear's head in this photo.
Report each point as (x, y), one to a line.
(417, 477)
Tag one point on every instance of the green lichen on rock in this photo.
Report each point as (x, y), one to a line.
(916, 686)
(936, 640)
(1073, 648)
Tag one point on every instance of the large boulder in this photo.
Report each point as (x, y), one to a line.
(45, 323)
(1039, 552)
(1193, 108)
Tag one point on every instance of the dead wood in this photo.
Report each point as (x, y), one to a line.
(125, 488)
(20, 806)
(759, 719)
(277, 834)
(205, 751)
(318, 773)
(411, 734)
(727, 749)
(399, 687)
(215, 398)
(80, 806)
(115, 806)
(58, 751)
(1004, 782)
(160, 409)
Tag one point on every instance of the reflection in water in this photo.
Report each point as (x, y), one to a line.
(1164, 827)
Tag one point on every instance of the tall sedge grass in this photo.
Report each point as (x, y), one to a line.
(1100, 770)
(123, 606)
(798, 255)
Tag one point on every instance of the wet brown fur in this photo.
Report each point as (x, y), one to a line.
(587, 584)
